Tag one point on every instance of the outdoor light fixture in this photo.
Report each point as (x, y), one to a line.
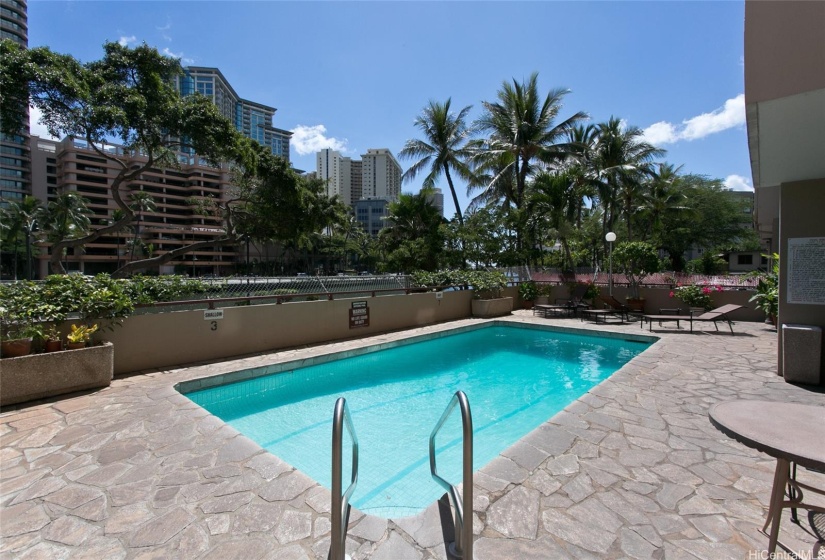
(610, 238)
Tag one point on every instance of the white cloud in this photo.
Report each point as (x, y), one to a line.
(38, 129)
(311, 139)
(125, 41)
(730, 115)
(180, 56)
(660, 133)
(738, 183)
(163, 30)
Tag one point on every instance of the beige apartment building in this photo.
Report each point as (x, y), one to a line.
(785, 104)
(71, 165)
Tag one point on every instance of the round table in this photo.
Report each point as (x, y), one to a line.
(789, 432)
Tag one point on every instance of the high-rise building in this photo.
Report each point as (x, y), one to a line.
(15, 157)
(71, 165)
(252, 119)
(355, 183)
(380, 175)
(436, 198)
(336, 171)
(370, 214)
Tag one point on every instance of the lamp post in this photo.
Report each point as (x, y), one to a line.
(610, 238)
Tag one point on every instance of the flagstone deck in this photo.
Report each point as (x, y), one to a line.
(633, 469)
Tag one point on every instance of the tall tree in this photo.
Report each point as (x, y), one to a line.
(414, 239)
(662, 198)
(442, 149)
(22, 219)
(127, 95)
(65, 220)
(522, 133)
(140, 202)
(621, 160)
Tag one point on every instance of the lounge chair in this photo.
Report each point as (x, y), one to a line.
(718, 314)
(568, 307)
(610, 308)
(620, 307)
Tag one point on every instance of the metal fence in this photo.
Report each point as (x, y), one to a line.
(657, 280)
(254, 290)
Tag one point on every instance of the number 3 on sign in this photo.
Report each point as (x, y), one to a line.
(214, 326)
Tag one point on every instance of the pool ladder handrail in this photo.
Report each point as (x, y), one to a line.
(463, 507)
(341, 417)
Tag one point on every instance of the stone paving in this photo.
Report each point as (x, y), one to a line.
(633, 469)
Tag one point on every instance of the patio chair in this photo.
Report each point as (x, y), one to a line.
(718, 314)
(617, 306)
(609, 308)
(568, 307)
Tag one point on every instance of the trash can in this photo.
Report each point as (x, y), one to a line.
(802, 354)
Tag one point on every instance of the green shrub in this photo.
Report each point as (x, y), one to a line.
(487, 284)
(528, 291)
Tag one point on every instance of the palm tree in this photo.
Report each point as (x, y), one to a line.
(522, 133)
(23, 218)
(66, 217)
(140, 202)
(442, 149)
(621, 159)
(663, 198)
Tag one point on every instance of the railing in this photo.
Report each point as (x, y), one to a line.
(340, 502)
(463, 508)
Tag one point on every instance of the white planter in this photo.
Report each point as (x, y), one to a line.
(38, 376)
(486, 308)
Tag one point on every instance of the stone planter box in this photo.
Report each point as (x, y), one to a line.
(486, 308)
(38, 376)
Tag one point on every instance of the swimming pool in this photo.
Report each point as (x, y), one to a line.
(515, 378)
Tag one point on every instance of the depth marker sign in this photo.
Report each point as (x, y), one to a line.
(359, 315)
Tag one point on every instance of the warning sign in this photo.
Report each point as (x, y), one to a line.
(359, 315)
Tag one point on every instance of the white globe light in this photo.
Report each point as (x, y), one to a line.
(610, 237)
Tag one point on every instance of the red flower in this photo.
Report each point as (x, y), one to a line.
(718, 288)
(671, 294)
(705, 290)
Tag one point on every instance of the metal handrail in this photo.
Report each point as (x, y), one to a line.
(463, 545)
(340, 502)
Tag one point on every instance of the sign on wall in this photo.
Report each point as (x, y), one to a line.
(212, 314)
(806, 270)
(359, 315)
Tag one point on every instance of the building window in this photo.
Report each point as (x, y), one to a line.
(745, 259)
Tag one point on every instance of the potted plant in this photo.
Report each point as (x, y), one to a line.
(766, 297)
(488, 300)
(592, 293)
(15, 338)
(15, 324)
(51, 338)
(694, 296)
(79, 336)
(528, 292)
(636, 259)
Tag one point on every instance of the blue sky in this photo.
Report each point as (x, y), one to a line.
(354, 75)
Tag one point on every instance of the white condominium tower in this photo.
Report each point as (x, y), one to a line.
(377, 175)
(380, 175)
(336, 170)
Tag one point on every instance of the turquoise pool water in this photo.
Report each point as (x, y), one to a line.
(515, 379)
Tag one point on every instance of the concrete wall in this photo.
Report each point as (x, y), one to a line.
(179, 337)
(801, 209)
(784, 48)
